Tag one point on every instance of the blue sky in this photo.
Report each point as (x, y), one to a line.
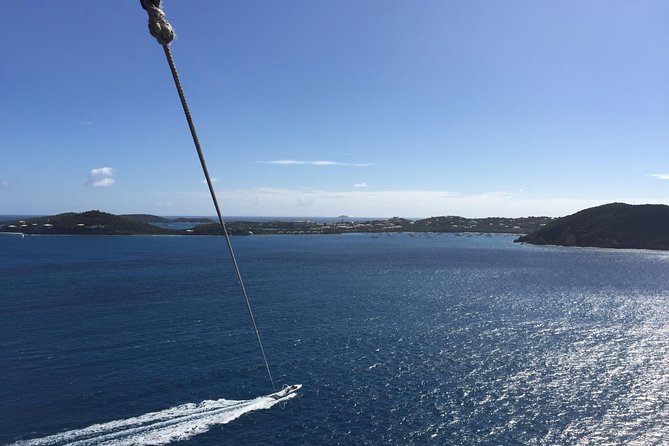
(315, 108)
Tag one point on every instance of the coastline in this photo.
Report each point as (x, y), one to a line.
(102, 223)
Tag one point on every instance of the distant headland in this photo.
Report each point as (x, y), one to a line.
(102, 223)
(614, 225)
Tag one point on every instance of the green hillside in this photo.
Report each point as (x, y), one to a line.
(615, 225)
(84, 223)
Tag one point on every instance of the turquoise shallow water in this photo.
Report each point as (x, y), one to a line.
(398, 339)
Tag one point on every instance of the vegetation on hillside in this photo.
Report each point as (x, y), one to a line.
(102, 223)
(84, 223)
(614, 225)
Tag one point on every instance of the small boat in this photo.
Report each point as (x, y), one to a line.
(287, 390)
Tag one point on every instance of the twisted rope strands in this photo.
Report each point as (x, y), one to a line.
(164, 34)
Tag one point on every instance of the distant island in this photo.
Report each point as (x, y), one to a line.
(614, 225)
(102, 223)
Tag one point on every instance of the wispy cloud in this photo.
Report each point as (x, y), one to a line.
(4, 183)
(213, 180)
(101, 177)
(409, 203)
(386, 203)
(360, 185)
(313, 163)
(85, 123)
(103, 182)
(660, 176)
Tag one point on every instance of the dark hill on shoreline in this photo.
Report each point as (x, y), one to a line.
(614, 225)
(84, 223)
(145, 218)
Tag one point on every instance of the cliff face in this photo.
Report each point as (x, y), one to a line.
(615, 225)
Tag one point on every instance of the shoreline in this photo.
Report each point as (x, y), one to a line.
(410, 233)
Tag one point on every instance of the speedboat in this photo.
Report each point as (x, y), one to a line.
(287, 390)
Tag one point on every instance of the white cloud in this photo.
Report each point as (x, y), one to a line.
(325, 163)
(313, 163)
(102, 171)
(660, 176)
(4, 183)
(103, 182)
(270, 201)
(86, 123)
(101, 177)
(360, 185)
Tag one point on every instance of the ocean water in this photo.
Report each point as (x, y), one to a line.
(398, 339)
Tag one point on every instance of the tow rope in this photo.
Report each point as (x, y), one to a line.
(160, 28)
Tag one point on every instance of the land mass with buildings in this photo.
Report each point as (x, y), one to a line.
(102, 223)
(614, 225)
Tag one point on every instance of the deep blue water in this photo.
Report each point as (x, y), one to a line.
(397, 339)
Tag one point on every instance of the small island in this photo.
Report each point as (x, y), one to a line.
(614, 225)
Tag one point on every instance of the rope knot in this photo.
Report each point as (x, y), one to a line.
(159, 27)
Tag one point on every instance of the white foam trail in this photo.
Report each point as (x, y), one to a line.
(158, 428)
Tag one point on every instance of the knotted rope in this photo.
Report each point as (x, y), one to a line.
(160, 28)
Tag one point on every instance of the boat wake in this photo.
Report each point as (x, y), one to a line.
(158, 428)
